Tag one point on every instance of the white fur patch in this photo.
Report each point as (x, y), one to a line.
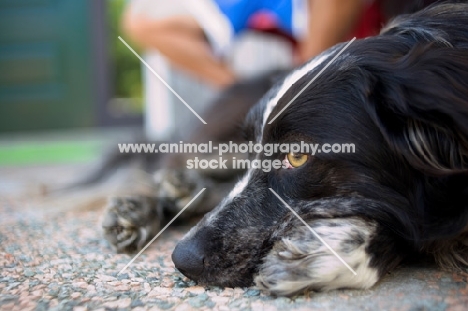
(300, 261)
(292, 78)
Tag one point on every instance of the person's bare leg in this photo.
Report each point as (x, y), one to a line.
(182, 41)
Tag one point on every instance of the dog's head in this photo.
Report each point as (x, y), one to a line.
(401, 98)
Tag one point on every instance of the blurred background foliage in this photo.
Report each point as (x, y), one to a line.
(127, 73)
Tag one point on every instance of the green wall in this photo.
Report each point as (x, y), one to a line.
(46, 65)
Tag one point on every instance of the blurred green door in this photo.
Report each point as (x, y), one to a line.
(46, 65)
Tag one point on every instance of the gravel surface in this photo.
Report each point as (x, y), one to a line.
(56, 260)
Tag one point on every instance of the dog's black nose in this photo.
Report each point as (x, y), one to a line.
(188, 259)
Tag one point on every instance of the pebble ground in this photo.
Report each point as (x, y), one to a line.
(57, 260)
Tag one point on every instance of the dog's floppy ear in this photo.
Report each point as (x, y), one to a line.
(420, 103)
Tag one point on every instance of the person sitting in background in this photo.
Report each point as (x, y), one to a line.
(197, 41)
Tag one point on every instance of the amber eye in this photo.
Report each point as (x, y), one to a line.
(297, 159)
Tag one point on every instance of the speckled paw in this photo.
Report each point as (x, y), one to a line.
(129, 222)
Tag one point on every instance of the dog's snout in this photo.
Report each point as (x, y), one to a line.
(188, 259)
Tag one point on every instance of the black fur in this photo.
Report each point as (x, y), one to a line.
(402, 99)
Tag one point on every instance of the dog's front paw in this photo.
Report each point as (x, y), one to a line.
(130, 221)
(300, 261)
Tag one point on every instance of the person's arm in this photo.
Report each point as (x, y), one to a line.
(181, 40)
(328, 23)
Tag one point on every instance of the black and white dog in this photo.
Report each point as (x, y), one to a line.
(402, 99)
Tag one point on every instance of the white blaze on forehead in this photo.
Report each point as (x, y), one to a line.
(290, 80)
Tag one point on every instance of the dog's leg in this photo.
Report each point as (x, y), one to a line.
(181, 185)
(130, 221)
(299, 261)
